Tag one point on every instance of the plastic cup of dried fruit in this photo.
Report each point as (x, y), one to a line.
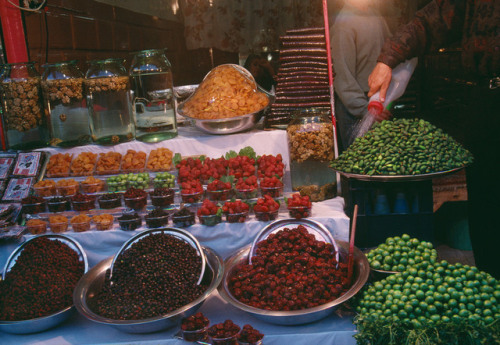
(266, 216)
(219, 195)
(162, 200)
(85, 204)
(196, 335)
(239, 217)
(110, 200)
(246, 193)
(45, 191)
(258, 342)
(58, 227)
(58, 204)
(136, 203)
(37, 228)
(210, 220)
(130, 224)
(69, 190)
(299, 212)
(81, 226)
(93, 187)
(232, 340)
(156, 222)
(274, 192)
(190, 198)
(33, 207)
(104, 224)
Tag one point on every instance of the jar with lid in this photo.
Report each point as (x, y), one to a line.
(311, 146)
(24, 125)
(65, 109)
(107, 88)
(153, 99)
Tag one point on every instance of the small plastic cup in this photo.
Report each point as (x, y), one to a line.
(103, 225)
(67, 190)
(83, 205)
(219, 195)
(156, 222)
(299, 212)
(247, 193)
(137, 203)
(108, 202)
(183, 221)
(81, 226)
(191, 197)
(210, 220)
(236, 217)
(45, 191)
(58, 204)
(130, 224)
(34, 207)
(233, 340)
(196, 335)
(37, 229)
(258, 342)
(274, 192)
(59, 227)
(162, 200)
(90, 188)
(266, 216)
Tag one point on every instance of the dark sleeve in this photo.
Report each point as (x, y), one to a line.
(438, 23)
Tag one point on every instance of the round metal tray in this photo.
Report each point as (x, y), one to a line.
(41, 323)
(179, 233)
(320, 232)
(398, 178)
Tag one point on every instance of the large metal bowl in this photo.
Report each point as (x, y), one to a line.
(92, 282)
(41, 323)
(296, 317)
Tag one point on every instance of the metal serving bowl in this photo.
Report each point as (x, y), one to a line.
(41, 323)
(91, 283)
(296, 317)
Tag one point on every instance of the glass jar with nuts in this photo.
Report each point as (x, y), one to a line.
(311, 144)
(22, 107)
(107, 88)
(67, 115)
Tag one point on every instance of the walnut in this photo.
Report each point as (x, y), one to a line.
(62, 117)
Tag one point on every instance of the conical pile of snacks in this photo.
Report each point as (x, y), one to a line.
(402, 147)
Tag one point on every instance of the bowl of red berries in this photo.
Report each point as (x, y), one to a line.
(250, 336)
(316, 280)
(246, 187)
(135, 198)
(195, 327)
(266, 208)
(236, 211)
(270, 165)
(219, 190)
(272, 186)
(299, 206)
(209, 213)
(191, 191)
(224, 333)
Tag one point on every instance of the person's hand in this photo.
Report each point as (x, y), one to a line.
(379, 79)
(384, 115)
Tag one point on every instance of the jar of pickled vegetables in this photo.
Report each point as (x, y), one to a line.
(107, 88)
(67, 115)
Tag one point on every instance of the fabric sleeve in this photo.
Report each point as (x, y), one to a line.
(344, 63)
(439, 22)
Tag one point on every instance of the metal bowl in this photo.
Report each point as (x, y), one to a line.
(296, 317)
(41, 323)
(92, 282)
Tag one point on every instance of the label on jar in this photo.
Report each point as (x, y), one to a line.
(17, 189)
(27, 164)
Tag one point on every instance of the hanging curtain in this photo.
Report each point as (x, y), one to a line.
(243, 26)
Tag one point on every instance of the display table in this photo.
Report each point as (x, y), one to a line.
(224, 238)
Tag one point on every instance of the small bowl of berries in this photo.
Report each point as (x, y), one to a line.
(183, 218)
(110, 200)
(135, 198)
(266, 208)
(156, 218)
(209, 213)
(218, 190)
(191, 191)
(224, 333)
(83, 202)
(236, 211)
(129, 221)
(195, 327)
(162, 197)
(299, 206)
(247, 188)
(250, 336)
(272, 186)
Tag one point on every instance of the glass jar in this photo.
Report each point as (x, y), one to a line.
(22, 107)
(108, 102)
(153, 99)
(67, 115)
(311, 145)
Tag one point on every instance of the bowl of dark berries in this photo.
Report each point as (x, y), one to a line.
(83, 202)
(38, 281)
(250, 336)
(293, 252)
(162, 197)
(224, 333)
(130, 221)
(183, 218)
(164, 302)
(195, 327)
(135, 198)
(110, 200)
(58, 204)
(33, 204)
(156, 218)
